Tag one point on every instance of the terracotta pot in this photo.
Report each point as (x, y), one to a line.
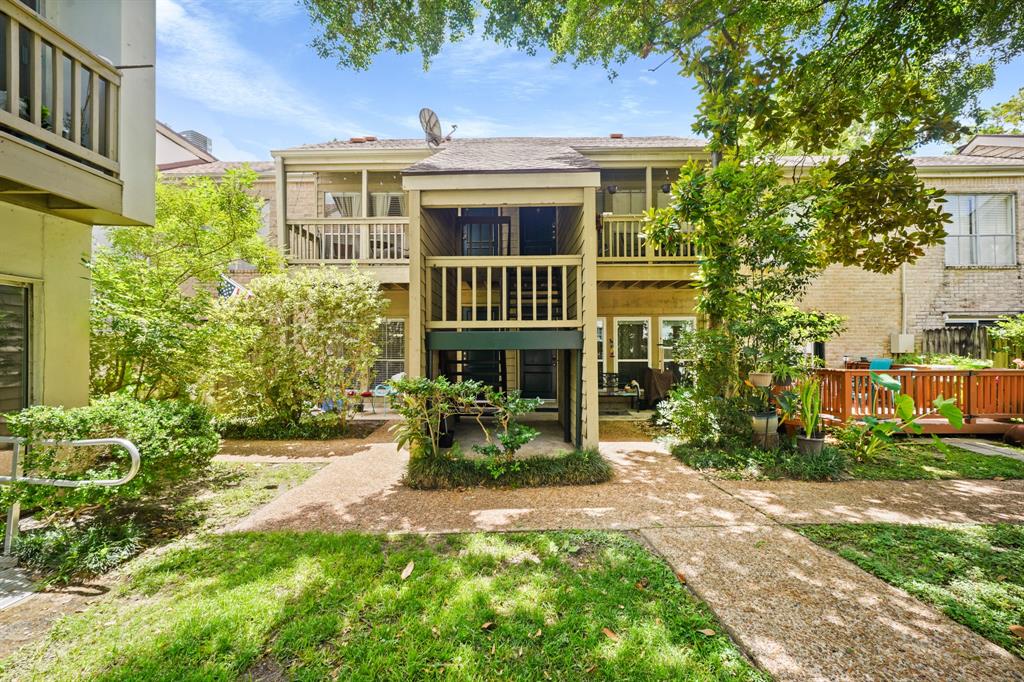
(806, 445)
(760, 379)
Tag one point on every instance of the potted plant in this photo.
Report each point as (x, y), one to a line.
(760, 378)
(812, 441)
(763, 418)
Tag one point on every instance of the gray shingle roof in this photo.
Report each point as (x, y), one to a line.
(220, 167)
(947, 161)
(627, 142)
(502, 157)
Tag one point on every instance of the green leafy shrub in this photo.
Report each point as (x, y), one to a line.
(513, 435)
(309, 427)
(68, 552)
(873, 436)
(300, 339)
(579, 467)
(424, 405)
(175, 440)
(705, 420)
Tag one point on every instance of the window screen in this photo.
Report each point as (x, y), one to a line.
(14, 348)
(981, 231)
(391, 342)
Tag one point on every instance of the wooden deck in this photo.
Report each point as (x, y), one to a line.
(989, 398)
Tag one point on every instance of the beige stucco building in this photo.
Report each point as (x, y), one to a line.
(519, 261)
(76, 150)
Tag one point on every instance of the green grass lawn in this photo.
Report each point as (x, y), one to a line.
(924, 461)
(311, 606)
(907, 461)
(973, 574)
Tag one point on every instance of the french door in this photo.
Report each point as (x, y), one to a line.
(632, 348)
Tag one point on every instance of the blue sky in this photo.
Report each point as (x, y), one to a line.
(242, 72)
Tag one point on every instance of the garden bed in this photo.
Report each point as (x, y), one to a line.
(578, 467)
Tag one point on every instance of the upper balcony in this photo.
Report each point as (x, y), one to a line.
(59, 120)
(624, 256)
(347, 217)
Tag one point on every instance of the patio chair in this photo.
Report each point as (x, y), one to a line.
(384, 391)
(877, 364)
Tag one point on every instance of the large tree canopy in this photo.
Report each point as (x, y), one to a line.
(805, 76)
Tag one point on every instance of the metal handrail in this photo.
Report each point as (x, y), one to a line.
(14, 513)
(73, 483)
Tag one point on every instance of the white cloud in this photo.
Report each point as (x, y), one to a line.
(201, 60)
(267, 11)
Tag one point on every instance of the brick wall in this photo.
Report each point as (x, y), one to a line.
(872, 303)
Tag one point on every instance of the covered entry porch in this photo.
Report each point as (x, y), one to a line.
(458, 356)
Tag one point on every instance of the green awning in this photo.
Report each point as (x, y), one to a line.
(535, 339)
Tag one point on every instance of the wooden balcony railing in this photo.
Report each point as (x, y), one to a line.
(499, 292)
(56, 93)
(330, 240)
(621, 239)
(981, 394)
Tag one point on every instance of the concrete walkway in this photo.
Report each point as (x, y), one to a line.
(987, 447)
(800, 611)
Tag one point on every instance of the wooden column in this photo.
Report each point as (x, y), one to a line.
(416, 363)
(588, 280)
(281, 197)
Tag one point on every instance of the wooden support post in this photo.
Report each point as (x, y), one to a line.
(13, 63)
(281, 207)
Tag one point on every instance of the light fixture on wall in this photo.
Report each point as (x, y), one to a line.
(612, 189)
(666, 188)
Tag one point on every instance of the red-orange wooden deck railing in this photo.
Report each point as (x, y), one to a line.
(983, 395)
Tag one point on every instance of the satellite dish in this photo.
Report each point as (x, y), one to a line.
(431, 127)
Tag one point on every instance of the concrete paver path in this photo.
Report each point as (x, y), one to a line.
(800, 611)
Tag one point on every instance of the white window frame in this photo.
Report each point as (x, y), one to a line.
(602, 356)
(405, 345)
(650, 339)
(662, 348)
(973, 236)
(36, 331)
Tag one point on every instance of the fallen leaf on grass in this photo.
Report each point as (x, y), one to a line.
(407, 571)
(487, 626)
(538, 633)
(642, 583)
(610, 634)
(591, 668)
(1017, 630)
(998, 478)
(707, 631)
(681, 578)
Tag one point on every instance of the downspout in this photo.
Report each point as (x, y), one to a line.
(903, 298)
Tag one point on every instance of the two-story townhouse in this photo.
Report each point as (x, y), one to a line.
(519, 261)
(515, 261)
(77, 101)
